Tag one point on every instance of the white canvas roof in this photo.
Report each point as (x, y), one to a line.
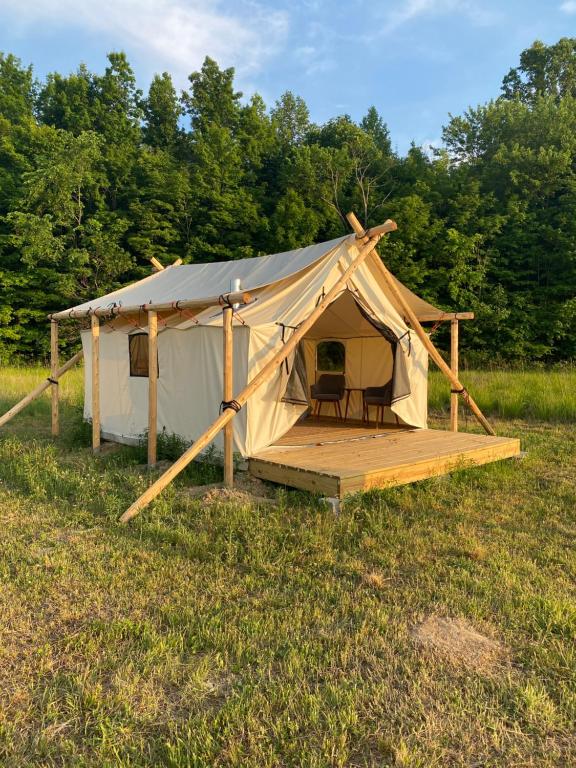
(204, 283)
(197, 282)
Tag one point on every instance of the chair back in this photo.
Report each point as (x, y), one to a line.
(381, 394)
(331, 384)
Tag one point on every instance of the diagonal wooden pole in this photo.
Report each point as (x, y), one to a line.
(423, 336)
(263, 375)
(42, 387)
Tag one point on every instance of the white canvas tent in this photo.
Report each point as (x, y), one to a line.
(284, 290)
(199, 331)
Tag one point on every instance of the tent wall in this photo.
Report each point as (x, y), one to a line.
(413, 410)
(123, 400)
(189, 384)
(268, 416)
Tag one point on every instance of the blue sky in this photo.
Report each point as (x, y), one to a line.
(415, 60)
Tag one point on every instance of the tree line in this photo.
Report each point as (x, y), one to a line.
(96, 177)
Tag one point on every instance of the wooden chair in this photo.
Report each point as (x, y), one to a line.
(381, 397)
(329, 388)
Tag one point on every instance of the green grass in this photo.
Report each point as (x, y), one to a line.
(237, 635)
(532, 395)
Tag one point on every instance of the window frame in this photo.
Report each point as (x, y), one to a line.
(145, 375)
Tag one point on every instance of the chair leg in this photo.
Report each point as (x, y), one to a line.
(339, 409)
(397, 420)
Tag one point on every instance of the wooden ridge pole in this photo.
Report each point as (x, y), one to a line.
(454, 367)
(42, 387)
(263, 375)
(228, 393)
(152, 386)
(422, 335)
(54, 383)
(240, 297)
(95, 327)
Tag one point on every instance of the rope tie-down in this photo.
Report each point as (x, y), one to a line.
(232, 405)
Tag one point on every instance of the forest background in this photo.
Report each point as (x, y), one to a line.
(97, 177)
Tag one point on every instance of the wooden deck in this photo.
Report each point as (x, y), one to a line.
(334, 459)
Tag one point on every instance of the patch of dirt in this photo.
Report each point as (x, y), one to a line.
(246, 490)
(160, 466)
(376, 580)
(458, 642)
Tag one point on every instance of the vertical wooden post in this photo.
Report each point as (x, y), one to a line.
(53, 376)
(152, 386)
(228, 393)
(95, 326)
(454, 368)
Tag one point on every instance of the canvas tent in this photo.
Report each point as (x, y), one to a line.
(163, 352)
(284, 289)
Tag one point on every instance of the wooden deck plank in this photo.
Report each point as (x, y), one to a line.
(322, 430)
(425, 468)
(335, 458)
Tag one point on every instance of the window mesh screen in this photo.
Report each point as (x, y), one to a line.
(138, 345)
(330, 356)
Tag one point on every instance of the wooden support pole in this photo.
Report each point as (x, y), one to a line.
(263, 375)
(152, 387)
(356, 226)
(228, 393)
(54, 383)
(454, 367)
(158, 267)
(42, 387)
(95, 326)
(422, 335)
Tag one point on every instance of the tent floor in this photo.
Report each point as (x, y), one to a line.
(335, 458)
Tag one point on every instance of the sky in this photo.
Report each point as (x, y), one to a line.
(416, 61)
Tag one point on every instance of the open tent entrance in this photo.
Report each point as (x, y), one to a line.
(349, 341)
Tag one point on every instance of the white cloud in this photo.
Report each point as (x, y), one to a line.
(568, 6)
(172, 34)
(410, 10)
(314, 60)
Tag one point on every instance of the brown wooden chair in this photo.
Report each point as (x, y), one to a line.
(329, 388)
(381, 397)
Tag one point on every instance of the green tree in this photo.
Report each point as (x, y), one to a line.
(544, 70)
(162, 112)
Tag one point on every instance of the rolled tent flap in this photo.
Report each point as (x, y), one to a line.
(295, 388)
(400, 378)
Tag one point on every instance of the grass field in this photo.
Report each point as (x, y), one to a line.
(230, 634)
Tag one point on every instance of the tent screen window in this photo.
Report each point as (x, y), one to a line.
(138, 347)
(330, 356)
